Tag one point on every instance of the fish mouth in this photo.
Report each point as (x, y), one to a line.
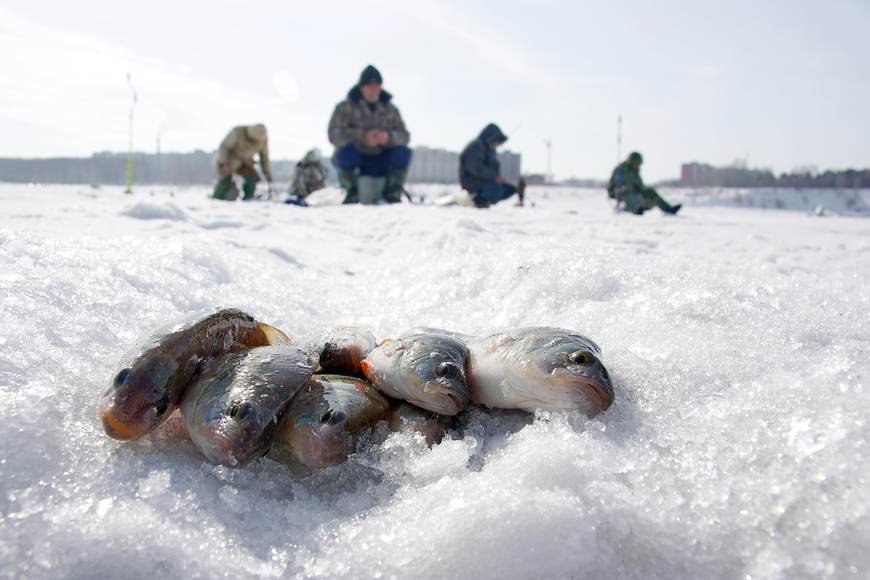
(117, 429)
(219, 449)
(456, 401)
(596, 392)
(125, 429)
(235, 447)
(442, 401)
(603, 394)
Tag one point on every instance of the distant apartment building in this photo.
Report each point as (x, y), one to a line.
(433, 166)
(441, 166)
(511, 165)
(536, 179)
(194, 168)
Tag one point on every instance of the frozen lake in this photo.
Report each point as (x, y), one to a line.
(738, 340)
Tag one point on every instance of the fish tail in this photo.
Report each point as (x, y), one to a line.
(274, 336)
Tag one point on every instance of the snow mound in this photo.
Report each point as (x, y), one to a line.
(154, 210)
(325, 196)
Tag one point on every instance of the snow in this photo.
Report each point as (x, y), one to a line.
(738, 340)
(842, 201)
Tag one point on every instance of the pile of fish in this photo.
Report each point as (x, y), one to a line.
(244, 388)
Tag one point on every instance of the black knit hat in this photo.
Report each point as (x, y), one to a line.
(370, 75)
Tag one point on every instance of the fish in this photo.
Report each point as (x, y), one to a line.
(432, 330)
(153, 379)
(233, 409)
(407, 417)
(341, 348)
(538, 368)
(426, 370)
(329, 411)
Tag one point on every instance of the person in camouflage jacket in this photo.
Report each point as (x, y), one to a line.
(310, 175)
(235, 156)
(370, 138)
(627, 187)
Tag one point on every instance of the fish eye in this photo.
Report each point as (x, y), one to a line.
(121, 377)
(581, 357)
(449, 370)
(239, 411)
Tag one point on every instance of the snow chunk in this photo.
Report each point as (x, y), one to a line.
(155, 210)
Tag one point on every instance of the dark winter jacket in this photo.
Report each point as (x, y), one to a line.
(353, 117)
(478, 163)
(625, 179)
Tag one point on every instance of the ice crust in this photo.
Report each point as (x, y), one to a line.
(737, 446)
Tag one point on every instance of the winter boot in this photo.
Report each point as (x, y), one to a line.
(249, 187)
(674, 209)
(226, 189)
(395, 186)
(296, 200)
(348, 180)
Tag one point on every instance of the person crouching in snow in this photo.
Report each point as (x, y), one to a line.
(627, 187)
(480, 170)
(235, 156)
(370, 139)
(310, 175)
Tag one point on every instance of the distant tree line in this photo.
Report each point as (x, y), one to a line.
(703, 175)
(849, 178)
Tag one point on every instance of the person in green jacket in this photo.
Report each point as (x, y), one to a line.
(627, 187)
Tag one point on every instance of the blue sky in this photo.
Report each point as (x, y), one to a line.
(785, 84)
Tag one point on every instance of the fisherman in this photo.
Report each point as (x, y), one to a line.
(370, 139)
(310, 175)
(480, 170)
(236, 157)
(627, 187)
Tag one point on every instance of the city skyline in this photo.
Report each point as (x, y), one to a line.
(711, 82)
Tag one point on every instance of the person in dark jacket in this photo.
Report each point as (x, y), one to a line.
(480, 171)
(370, 138)
(627, 187)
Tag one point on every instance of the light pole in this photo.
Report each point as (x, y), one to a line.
(549, 144)
(130, 143)
(619, 139)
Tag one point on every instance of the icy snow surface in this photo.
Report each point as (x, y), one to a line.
(738, 339)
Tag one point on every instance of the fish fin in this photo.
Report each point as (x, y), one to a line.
(366, 368)
(333, 417)
(274, 336)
